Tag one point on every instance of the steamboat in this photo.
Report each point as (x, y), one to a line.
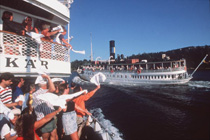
(138, 72)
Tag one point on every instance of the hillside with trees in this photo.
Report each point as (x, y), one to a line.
(192, 54)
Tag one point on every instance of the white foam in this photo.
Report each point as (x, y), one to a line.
(199, 84)
(108, 126)
(77, 80)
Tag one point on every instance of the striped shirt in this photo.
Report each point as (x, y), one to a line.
(6, 95)
(41, 107)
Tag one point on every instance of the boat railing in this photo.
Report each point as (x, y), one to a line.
(16, 45)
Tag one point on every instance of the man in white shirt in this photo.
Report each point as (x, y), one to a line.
(42, 108)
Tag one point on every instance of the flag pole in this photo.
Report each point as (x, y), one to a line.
(199, 65)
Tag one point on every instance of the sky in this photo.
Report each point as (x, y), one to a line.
(137, 26)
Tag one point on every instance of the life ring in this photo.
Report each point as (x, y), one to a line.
(139, 71)
(111, 71)
(185, 68)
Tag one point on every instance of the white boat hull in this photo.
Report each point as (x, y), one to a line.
(128, 78)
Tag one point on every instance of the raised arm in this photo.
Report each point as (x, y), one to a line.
(50, 83)
(53, 32)
(91, 93)
(19, 103)
(9, 137)
(66, 43)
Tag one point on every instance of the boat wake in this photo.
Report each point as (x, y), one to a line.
(113, 132)
(78, 80)
(199, 84)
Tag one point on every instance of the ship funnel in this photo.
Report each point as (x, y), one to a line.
(112, 49)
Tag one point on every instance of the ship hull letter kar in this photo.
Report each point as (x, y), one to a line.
(13, 62)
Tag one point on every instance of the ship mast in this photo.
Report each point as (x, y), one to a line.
(91, 47)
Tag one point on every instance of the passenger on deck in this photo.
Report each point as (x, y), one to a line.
(10, 25)
(27, 24)
(42, 108)
(57, 82)
(46, 32)
(71, 90)
(28, 98)
(16, 89)
(6, 91)
(60, 39)
(7, 126)
(67, 119)
(80, 101)
(27, 125)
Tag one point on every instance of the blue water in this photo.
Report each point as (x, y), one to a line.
(175, 112)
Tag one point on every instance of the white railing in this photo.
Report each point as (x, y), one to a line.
(12, 44)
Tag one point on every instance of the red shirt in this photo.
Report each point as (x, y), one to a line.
(80, 101)
(21, 138)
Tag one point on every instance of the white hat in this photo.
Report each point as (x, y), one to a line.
(40, 80)
(16, 111)
(57, 80)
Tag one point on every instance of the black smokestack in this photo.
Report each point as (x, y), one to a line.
(112, 49)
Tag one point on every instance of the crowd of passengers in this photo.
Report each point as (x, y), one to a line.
(129, 68)
(27, 26)
(35, 119)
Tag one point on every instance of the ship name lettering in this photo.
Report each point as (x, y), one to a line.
(11, 62)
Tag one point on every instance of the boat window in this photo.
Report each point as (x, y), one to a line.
(125, 76)
(173, 76)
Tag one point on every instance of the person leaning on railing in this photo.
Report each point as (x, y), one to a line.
(46, 32)
(10, 25)
(27, 24)
(60, 39)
